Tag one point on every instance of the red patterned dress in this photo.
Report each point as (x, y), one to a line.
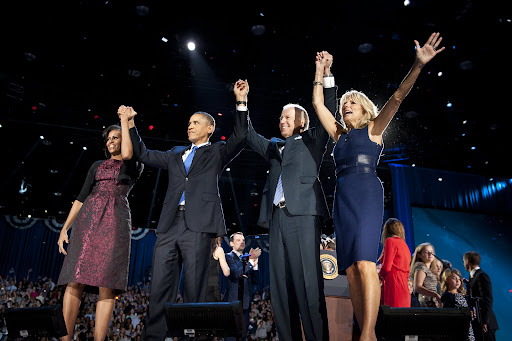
(100, 241)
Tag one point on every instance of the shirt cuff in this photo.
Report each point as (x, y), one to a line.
(254, 267)
(329, 82)
(241, 108)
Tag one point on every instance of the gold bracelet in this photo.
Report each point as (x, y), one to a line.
(318, 83)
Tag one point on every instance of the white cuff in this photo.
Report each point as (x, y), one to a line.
(329, 82)
(241, 107)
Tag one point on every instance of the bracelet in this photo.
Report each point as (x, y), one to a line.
(318, 83)
(241, 103)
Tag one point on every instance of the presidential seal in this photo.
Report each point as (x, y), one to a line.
(329, 266)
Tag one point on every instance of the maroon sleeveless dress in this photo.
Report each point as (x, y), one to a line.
(100, 241)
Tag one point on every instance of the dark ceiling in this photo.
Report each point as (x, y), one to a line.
(65, 70)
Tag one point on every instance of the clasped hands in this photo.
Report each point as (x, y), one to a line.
(126, 113)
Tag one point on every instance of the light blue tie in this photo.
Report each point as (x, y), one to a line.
(279, 191)
(187, 163)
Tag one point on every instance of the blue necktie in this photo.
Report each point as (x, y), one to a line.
(279, 191)
(187, 163)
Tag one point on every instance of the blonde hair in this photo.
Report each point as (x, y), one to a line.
(446, 275)
(370, 110)
(392, 227)
(416, 259)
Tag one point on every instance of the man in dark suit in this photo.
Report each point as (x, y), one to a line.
(294, 208)
(233, 258)
(191, 214)
(480, 286)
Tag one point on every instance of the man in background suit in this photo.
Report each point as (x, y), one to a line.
(191, 214)
(233, 258)
(294, 208)
(480, 286)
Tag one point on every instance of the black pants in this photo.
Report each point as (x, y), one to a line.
(296, 281)
(176, 247)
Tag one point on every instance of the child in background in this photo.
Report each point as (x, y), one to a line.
(454, 295)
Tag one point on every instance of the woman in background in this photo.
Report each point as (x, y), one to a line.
(395, 260)
(217, 261)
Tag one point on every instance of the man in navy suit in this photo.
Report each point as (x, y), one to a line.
(480, 286)
(191, 214)
(233, 258)
(293, 206)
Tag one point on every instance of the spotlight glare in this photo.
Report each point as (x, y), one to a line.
(84, 148)
(191, 46)
(164, 39)
(41, 137)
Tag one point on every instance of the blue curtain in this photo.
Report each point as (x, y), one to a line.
(416, 186)
(31, 245)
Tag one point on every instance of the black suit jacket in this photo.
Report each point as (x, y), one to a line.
(203, 204)
(236, 271)
(300, 165)
(480, 286)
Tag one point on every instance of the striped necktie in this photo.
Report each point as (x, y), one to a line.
(279, 191)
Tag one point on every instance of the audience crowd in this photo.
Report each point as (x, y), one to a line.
(129, 312)
(131, 306)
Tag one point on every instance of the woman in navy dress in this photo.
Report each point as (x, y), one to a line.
(359, 198)
(98, 256)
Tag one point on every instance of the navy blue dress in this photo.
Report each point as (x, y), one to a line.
(359, 198)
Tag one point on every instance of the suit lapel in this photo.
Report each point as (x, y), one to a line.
(178, 155)
(199, 152)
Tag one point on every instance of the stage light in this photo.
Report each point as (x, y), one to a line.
(228, 169)
(191, 46)
(41, 137)
(151, 127)
(407, 3)
(473, 148)
(34, 107)
(223, 138)
(164, 39)
(449, 105)
(84, 148)
(439, 74)
(219, 114)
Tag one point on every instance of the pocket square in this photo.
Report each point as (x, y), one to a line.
(298, 138)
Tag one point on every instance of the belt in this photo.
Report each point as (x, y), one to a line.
(357, 164)
(281, 204)
(181, 208)
(356, 170)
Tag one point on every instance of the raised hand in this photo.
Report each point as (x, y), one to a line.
(328, 62)
(125, 112)
(241, 89)
(320, 61)
(430, 49)
(255, 253)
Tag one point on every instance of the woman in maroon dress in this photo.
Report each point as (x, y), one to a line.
(98, 256)
(395, 260)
